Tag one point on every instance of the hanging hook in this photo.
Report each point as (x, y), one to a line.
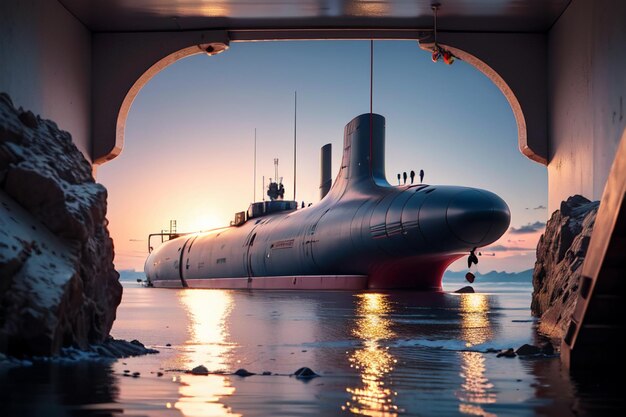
(435, 8)
(438, 51)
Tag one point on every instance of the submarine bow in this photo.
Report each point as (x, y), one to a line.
(364, 234)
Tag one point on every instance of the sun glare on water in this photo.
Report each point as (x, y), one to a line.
(209, 345)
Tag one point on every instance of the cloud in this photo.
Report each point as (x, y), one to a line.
(502, 248)
(540, 207)
(529, 228)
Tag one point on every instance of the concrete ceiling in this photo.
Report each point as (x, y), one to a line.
(175, 15)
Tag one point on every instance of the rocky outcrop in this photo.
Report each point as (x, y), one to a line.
(58, 286)
(560, 255)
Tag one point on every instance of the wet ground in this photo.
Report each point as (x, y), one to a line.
(378, 354)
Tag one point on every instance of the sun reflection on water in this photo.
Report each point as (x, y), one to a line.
(208, 312)
(475, 329)
(373, 361)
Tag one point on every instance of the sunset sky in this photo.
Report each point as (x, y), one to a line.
(188, 151)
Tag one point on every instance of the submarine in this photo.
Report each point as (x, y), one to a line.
(364, 234)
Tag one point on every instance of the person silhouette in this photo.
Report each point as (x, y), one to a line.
(404, 176)
(421, 176)
(412, 176)
(398, 178)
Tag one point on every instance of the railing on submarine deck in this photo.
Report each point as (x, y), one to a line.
(255, 210)
(170, 235)
(263, 208)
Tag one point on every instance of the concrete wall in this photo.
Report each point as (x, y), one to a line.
(587, 97)
(45, 64)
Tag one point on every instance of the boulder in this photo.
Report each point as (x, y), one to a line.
(527, 350)
(560, 255)
(58, 286)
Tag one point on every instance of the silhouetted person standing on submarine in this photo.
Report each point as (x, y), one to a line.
(421, 176)
(412, 176)
(399, 178)
(404, 176)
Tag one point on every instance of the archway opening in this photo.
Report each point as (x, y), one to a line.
(190, 135)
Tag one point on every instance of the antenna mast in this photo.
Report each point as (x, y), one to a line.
(295, 143)
(371, 98)
(276, 170)
(254, 176)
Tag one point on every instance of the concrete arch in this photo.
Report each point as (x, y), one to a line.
(516, 64)
(123, 64)
(513, 62)
(120, 125)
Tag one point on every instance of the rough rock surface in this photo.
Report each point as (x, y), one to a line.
(560, 255)
(58, 286)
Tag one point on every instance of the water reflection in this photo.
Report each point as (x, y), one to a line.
(476, 390)
(208, 311)
(373, 361)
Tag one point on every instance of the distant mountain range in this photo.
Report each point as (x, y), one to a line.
(131, 275)
(493, 276)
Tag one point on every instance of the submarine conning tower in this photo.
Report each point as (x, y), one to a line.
(363, 160)
(398, 232)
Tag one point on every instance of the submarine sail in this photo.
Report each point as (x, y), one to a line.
(364, 234)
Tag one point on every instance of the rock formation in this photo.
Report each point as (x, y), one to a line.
(58, 286)
(560, 255)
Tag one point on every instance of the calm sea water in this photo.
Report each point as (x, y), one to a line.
(378, 354)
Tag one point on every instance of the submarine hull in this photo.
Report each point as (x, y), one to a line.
(364, 234)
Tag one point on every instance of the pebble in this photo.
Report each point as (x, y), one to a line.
(200, 370)
(507, 353)
(243, 372)
(136, 374)
(305, 373)
(159, 373)
(465, 290)
(527, 350)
